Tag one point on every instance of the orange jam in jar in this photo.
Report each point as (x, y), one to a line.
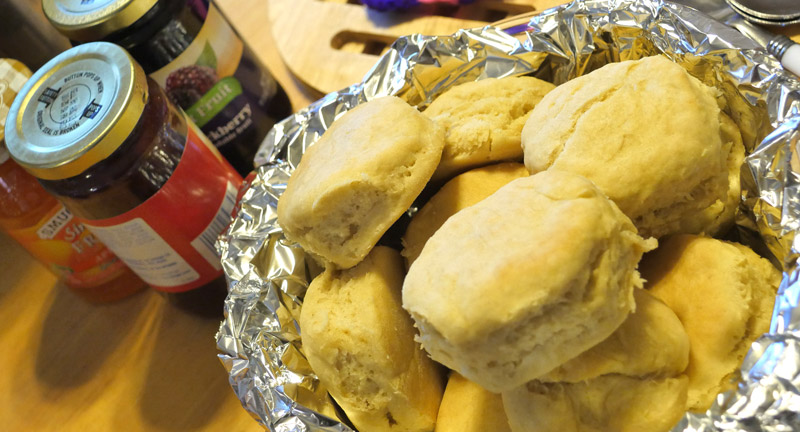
(106, 140)
(42, 225)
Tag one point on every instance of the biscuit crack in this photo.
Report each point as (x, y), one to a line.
(578, 113)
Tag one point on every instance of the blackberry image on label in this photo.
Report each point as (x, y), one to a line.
(191, 50)
(188, 84)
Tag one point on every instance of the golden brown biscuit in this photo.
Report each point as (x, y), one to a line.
(651, 342)
(615, 403)
(719, 217)
(483, 121)
(632, 381)
(462, 191)
(648, 135)
(360, 343)
(358, 179)
(723, 293)
(528, 278)
(468, 407)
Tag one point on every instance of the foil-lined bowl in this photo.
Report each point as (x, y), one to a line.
(259, 339)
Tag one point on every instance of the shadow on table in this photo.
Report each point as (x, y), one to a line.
(184, 388)
(15, 265)
(78, 337)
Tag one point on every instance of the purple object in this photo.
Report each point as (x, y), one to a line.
(387, 5)
(199, 7)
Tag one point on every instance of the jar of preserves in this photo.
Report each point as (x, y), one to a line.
(190, 50)
(108, 142)
(46, 229)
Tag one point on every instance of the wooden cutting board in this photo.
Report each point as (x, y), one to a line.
(331, 44)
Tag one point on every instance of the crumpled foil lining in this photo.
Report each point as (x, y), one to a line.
(259, 338)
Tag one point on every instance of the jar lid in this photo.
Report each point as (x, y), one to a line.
(13, 75)
(84, 21)
(76, 110)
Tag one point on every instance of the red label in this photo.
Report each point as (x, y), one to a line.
(169, 239)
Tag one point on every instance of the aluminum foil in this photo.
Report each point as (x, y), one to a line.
(259, 338)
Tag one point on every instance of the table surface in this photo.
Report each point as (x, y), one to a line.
(138, 364)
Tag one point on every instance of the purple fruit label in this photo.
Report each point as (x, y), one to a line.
(214, 82)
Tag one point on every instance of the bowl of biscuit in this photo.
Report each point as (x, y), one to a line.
(578, 221)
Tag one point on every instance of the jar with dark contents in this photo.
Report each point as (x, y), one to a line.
(46, 229)
(107, 142)
(190, 50)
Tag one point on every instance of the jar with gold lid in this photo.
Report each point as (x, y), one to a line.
(106, 141)
(47, 230)
(192, 51)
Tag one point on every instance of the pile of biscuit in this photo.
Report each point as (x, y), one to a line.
(581, 291)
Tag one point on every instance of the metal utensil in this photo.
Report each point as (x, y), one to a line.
(780, 46)
(768, 12)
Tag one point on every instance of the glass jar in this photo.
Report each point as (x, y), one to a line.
(191, 50)
(50, 233)
(106, 140)
(46, 229)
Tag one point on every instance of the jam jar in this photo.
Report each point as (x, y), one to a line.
(107, 142)
(192, 51)
(47, 230)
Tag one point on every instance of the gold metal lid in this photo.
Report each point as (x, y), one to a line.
(76, 110)
(86, 21)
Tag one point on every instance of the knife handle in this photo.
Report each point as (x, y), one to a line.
(787, 51)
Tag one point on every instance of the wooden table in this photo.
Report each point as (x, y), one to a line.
(137, 365)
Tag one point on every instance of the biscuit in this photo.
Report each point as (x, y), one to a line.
(468, 407)
(360, 343)
(528, 278)
(632, 381)
(358, 179)
(483, 120)
(719, 217)
(609, 403)
(651, 342)
(460, 192)
(723, 293)
(648, 135)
